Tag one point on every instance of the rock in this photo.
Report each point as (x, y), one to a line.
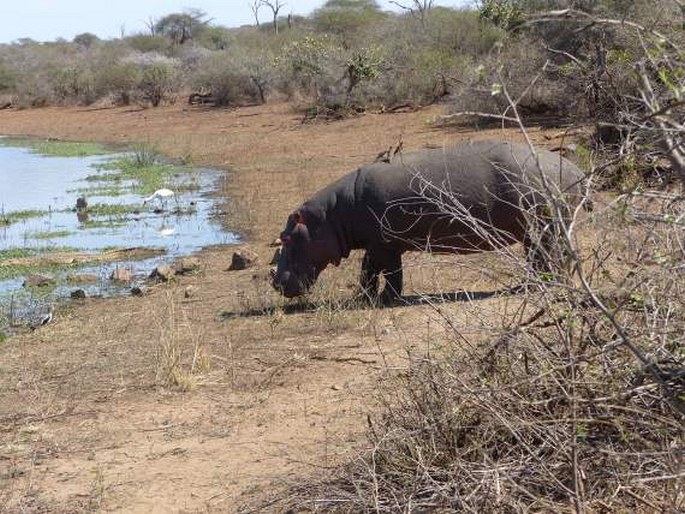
(187, 265)
(162, 273)
(242, 259)
(276, 242)
(121, 275)
(82, 279)
(78, 294)
(137, 291)
(277, 255)
(189, 292)
(37, 280)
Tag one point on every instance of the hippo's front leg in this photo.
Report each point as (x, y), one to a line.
(369, 276)
(388, 262)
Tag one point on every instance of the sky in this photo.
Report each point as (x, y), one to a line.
(47, 20)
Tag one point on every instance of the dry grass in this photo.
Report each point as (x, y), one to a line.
(212, 401)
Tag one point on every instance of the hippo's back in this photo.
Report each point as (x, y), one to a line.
(435, 197)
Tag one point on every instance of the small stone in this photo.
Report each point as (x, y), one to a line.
(189, 292)
(37, 280)
(336, 387)
(78, 294)
(162, 273)
(276, 242)
(187, 265)
(137, 291)
(242, 259)
(121, 275)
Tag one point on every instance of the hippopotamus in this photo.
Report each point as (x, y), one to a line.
(471, 197)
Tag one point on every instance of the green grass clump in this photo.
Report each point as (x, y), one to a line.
(8, 271)
(55, 234)
(106, 209)
(7, 218)
(106, 223)
(109, 190)
(53, 148)
(141, 166)
(56, 148)
(16, 253)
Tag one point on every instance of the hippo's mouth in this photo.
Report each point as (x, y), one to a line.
(290, 285)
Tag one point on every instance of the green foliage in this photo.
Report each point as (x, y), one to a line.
(145, 43)
(347, 19)
(306, 61)
(158, 82)
(506, 14)
(237, 76)
(363, 65)
(118, 79)
(86, 40)
(215, 38)
(7, 78)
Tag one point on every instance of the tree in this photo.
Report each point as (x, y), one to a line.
(422, 7)
(86, 40)
(182, 27)
(254, 7)
(347, 18)
(275, 6)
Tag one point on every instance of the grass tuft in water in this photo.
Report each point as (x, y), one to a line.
(106, 209)
(142, 166)
(55, 234)
(7, 218)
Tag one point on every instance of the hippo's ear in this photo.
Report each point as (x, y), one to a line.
(312, 216)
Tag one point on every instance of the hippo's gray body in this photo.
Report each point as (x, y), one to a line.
(420, 201)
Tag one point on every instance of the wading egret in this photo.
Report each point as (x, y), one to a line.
(161, 194)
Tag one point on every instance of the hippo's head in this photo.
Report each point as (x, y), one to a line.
(309, 245)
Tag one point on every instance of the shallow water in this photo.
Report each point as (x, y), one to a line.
(29, 181)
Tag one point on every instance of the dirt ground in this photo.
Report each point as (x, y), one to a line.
(212, 393)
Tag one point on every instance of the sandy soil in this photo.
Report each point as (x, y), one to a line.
(212, 393)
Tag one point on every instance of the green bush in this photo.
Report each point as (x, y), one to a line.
(118, 79)
(159, 78)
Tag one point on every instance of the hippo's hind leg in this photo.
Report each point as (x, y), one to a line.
(389, 263)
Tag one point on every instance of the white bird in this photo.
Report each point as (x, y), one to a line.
(161, 194)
